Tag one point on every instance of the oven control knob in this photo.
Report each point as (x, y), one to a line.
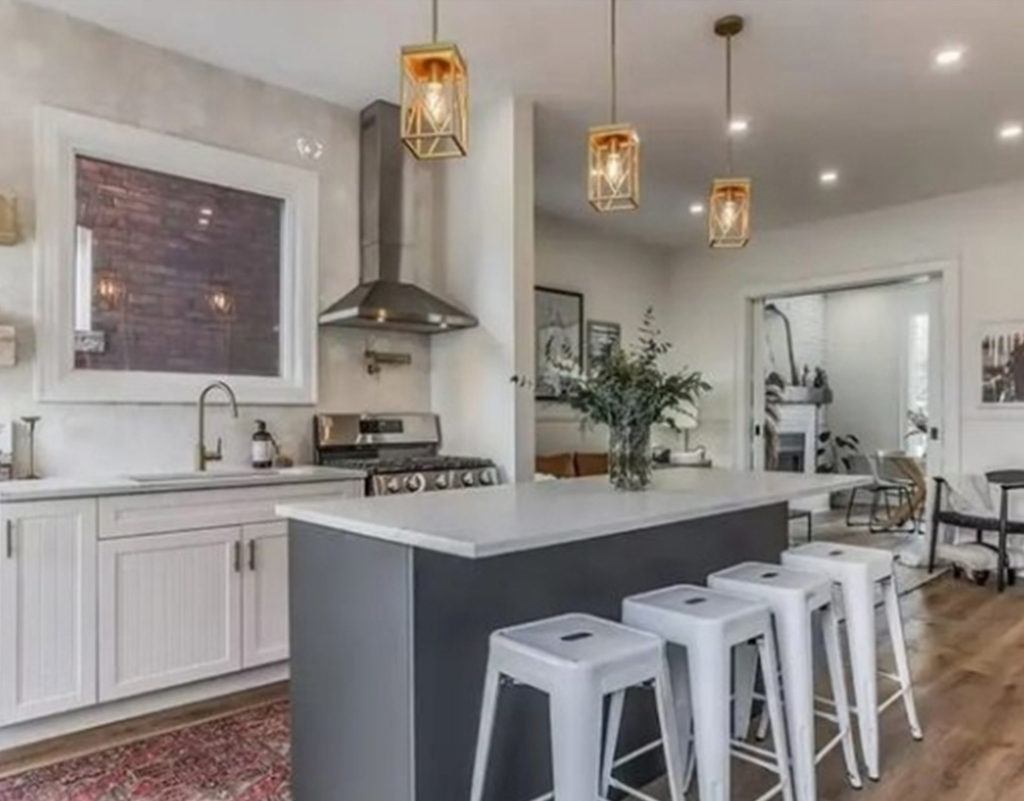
(486, 478)
(468, 479)
(415, 482)
(393, 485)
(441, 481)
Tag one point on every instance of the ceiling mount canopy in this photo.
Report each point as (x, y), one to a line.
(435, 98)
(729, 203)
(613, 168)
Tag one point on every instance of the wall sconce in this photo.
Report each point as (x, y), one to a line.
(9, 233)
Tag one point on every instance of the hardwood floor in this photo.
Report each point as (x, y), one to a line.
(17, 760)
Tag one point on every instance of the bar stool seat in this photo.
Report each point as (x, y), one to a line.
(856, 572)
(794, 596)
(702, 627)
(577, 660)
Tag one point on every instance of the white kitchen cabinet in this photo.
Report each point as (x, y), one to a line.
(265, 594)
(169, 609)
(47, 608)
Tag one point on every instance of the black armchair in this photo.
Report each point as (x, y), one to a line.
(1008, 481)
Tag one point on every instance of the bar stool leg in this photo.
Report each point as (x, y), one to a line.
(899, 647)
(745, 672)
(798, 681)
(710, 674)
(773, 697)
(679, 674)
(670, 733)
(611, 739)
(488, 707)
(834, 657)
(860, 629)
(576, 718)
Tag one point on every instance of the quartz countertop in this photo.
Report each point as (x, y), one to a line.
(476, 523)
(226, 478)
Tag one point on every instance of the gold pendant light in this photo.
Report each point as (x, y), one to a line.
(729, 204)
(435, 98)
(613, 168)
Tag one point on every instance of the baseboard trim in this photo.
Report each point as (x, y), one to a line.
(35, 731)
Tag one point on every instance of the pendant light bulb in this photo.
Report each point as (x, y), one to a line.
(729, 203)
(613, 169)
(435, 98)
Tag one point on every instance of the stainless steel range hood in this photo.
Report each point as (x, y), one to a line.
(383, 300)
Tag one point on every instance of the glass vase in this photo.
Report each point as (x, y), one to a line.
(629, 456)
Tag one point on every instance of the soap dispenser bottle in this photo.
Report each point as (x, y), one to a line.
(262, 447)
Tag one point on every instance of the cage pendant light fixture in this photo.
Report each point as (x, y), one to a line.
(613, 152)
(435, 98)
(729, 204)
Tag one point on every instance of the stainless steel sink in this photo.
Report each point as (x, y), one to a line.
(197, 477)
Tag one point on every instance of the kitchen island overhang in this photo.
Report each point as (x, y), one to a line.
(393, 599)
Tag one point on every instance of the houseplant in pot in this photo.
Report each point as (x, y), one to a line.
(627, 390)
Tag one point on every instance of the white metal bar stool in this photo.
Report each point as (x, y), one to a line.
(577, 660)
(794, 596)
(856, 572)
(708, 625)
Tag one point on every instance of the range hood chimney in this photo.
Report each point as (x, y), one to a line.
(382, 300)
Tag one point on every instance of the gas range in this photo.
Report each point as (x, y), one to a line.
(399, 452)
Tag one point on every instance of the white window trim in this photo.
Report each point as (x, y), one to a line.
(60, 136)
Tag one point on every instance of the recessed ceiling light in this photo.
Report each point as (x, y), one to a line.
(739, 125)
(1011, 130)
(696, 208)
(949, 56)
(828, 176)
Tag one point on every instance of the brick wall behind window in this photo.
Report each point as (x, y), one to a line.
(148, 237)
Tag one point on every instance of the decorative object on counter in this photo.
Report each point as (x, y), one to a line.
(559, 338)
(6, 450)
(435, 98)
(30, 421)
(602, 338)
(613, 177)
(729, 204)
(629, 392)
(8, 346)
(264, 447)
(1002, 364)
(10, 233)
(376, 359)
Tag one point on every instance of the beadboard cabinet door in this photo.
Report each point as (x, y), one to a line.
(265, 594)
(169, 610)
(47, 608)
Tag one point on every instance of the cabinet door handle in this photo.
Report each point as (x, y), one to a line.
(10, 539)
(252, 554)
(238, 556)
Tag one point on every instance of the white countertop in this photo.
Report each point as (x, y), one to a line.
(225, 478)
(476, 523)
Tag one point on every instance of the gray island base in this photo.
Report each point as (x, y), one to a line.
(389, 638)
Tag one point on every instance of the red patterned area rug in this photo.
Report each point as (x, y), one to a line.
(241, 757)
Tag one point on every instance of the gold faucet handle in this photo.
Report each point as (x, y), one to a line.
(217, 455)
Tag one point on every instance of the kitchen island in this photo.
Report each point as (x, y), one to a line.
(393, 599)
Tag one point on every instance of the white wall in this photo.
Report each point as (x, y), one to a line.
(619, 279)
(980, 230)
(866, 340)
(51, 59)
(484, 261)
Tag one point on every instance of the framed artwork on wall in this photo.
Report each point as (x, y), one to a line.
(559, 337)
(1002, 365)
(602, 338)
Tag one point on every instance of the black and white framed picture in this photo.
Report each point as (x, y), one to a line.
(602, 339)
(559, 324)
(1002, 365)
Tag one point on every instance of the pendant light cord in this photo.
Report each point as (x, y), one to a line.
(728, 103)
(434, 19)
(614, 76)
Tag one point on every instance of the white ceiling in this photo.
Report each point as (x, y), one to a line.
(826, 83)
